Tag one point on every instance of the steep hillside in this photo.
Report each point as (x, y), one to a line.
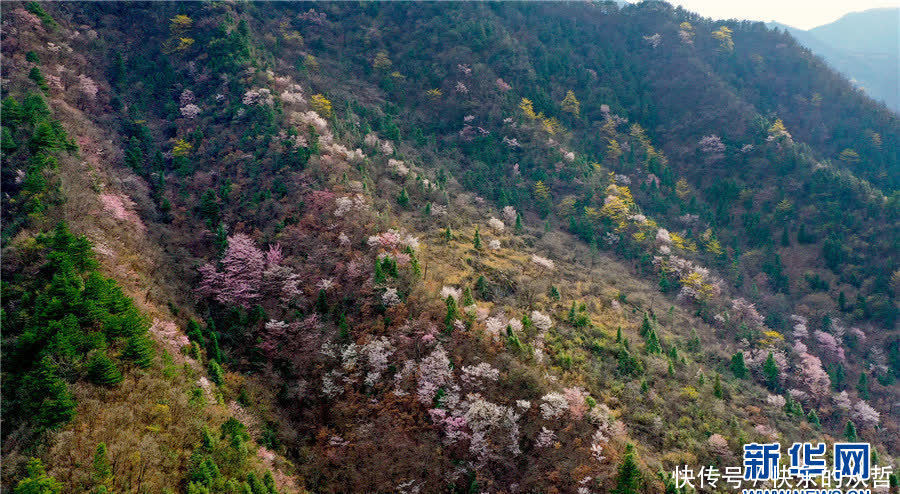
(435, 247)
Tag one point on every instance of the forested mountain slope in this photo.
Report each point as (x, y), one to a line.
(398, 247)
(863, 45)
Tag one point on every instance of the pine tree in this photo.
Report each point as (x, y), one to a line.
(451, 313)
(48, 401)
(619, 334)
(206, 440)
(403, 198)
(481, 286)
(467, 299)
(10, 112)
(7, 144)
(139, 349)
(665, 285)
(653, 343)
(572, 313)
(193, 331)
(628, 365)
(343, 327)
(646, 327)
(813, 419)
(519, 226)
(213, 349)
(839, 375)
(209, 207)
(850, 432)
(102, 473)
(43, 138)
(554, 293)
(256, 484)
(269, 482)
(694, 343)
(477, 240)
(570, 104)
(448, 234)
(216, 374)
(629, 478)
(737, 365)
(38, 78)
(322, 303)
(102, 370)
(863, 386)
(379, 277)
(770, 370)
(717, 387)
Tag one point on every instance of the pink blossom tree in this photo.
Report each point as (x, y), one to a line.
(864, 414)
(830, 346)
(240, 281)
(712, 147)
(813, 375)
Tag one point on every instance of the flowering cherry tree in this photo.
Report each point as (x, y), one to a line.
(712, 147)
(240, 280)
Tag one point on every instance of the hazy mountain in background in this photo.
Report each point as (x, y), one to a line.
(862, 45)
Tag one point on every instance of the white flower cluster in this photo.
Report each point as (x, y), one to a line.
(553, 405)
(475, 374)
(776, 401)
(390, 297)
(800, 329)
(449, 291)
(399, 167)
(311, 118)
(541, 321)
(332, 148)
(345, 204)
(293, 95)
(260, 96)
(510, 214)
(190, 110)
(663, 237)
(496, 225)
(653, 40)
(495, 326)
(543, 262)
(376, 352)
(513, 143)
(545, 438)
(434, 373)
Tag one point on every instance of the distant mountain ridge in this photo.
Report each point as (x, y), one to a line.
(862, 45)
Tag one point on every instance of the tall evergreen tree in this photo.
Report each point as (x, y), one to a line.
(770, 370)
(629, 476)
(738, 367)
(102, 370)
(850, 432)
